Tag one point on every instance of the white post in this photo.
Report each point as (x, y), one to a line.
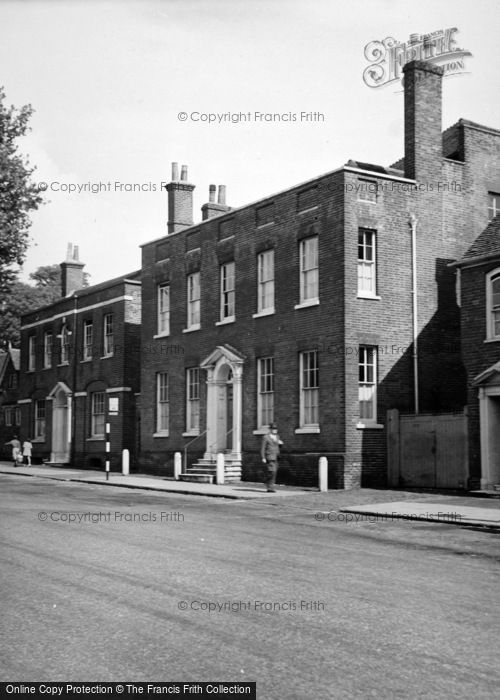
(177, 465)
(323, 474)
(219, 477)
(125, 462)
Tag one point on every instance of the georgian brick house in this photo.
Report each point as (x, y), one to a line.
(304, 307)
(80, 360)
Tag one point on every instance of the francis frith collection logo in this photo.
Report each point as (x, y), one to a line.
(387, 57)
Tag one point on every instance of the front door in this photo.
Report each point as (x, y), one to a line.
(224, 415)
(60, 427)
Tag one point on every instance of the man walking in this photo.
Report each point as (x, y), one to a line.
(270, 450)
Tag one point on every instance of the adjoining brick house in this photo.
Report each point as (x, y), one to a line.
(80, 359)
(300, 308)
(10, 414)
(480, 310)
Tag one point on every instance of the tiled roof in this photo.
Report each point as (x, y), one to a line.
(487, 243)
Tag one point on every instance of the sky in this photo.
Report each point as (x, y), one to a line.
(122, 89)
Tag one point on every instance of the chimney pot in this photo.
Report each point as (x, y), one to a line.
(222, 194)
(211, 193)
(180, 200)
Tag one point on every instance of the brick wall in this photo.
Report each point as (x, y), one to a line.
(84, 377)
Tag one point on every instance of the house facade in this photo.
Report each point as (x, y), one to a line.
(319, 308)
(480, 308)
(10, 413)
(80, 361)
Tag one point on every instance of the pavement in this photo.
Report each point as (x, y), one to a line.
(239, 490)
(357, 504)
(443, 512)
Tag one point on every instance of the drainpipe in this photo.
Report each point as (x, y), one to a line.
(413, 223)
(73, 399)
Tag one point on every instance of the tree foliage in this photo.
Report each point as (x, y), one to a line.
(18, 195)
(22, 298)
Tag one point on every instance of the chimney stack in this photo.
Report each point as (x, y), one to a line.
(180, 200)
(423, 137)
(71, 272)
(213, 208)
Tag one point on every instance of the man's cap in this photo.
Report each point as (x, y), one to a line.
(273, 426)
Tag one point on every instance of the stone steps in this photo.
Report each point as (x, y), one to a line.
(205, 470)
(197, 478)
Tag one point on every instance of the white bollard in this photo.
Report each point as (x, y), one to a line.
(125, 462)
(323, 474)
(177, 465)
(219, 476)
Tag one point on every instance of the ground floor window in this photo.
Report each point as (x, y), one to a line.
(193, 400)
(12, 416)
(368, 383)
(309, 389)
(40, 419)
(162, 403)
(265, 393)
(97, 423)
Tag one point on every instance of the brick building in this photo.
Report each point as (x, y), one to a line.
(80, 360)
(480, 309)
(319, 307)
(10, 413)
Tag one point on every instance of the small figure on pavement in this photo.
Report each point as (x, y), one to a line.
(270, 450)
(16, 449)
(27, 448)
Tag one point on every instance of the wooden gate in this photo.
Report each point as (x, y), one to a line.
(427, 450)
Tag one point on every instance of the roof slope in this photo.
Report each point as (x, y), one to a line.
(487, 243)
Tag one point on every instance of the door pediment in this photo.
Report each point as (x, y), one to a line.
(222, 352)
(488, 377)
(60, 386)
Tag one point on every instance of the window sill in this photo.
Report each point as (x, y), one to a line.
(161, 435)
(191, 433)
(48, 367)
(308, 430)
(261, 431)
(63, 364)
(230, 319)
(192, 328)
(269, 223)
(38, 440)
(369, 296)
(369, 426)
(492, 340)
(309, 209)
(89, 359)
(30, 371)
(265, 312)
(96, 439)
(106, 357)
(306, 304)
(161, 335)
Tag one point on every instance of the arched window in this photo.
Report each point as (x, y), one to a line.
(493, 304)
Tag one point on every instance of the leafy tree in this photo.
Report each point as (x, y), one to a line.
(18, 195)
(22, 298)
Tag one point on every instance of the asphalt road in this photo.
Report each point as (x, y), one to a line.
(218, 590)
